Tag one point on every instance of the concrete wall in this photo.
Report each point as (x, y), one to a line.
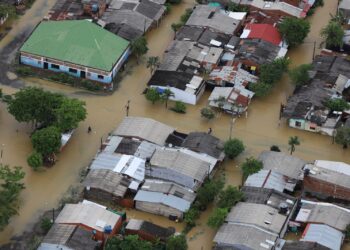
(305, 125)
(179, 95)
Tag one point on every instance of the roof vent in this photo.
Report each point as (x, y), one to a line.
(211, 15)
(283, 208)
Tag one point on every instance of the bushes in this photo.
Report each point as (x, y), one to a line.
(35, 160)
(179, 107)
(217, 218)
(24, 71)
(207, 113)
(233, 147)
(300, 75)
(46, 224)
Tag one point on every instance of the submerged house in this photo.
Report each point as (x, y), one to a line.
(266, 32)
(164, 198)
(185, 87)
(79, 48)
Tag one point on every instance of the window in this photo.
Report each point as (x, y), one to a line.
(55, 66)
(100, 77)
(298, 124)
(73, 71)
(178, 194)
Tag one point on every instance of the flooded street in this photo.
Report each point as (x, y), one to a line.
(259, 131)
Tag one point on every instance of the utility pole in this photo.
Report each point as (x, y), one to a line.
(127, 107)
(314, 51)
(2, 152)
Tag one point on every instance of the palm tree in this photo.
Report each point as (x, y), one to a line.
(293, 141)
(166, 95)
(153, 63)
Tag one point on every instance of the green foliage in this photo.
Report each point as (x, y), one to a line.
(7, 98)
(91, 86)
(292, 142)
(153, 95)
(233, 147)
(179, 107)
(300, 75)
(333, 34)
(168, 8)
(234, 7)
(153, 63)
(343, 136)
(275, 148)
(1, 94)
(271, 73)
(207, 192)
(337, 104)
(229, 197)
(177, 242)
(7, 9)
(47, 140)
(45, 224)
(10, 188)
(24, 71)
(183, 19)
(139, 47)
(260, 89)
(191, 216)
(176, 26)
(347, 232)
(294, 30)
(130, 242)
(35, 160)
(217, 218)
(251, 166)
(174, 1)
(207, 113)
(69, 114)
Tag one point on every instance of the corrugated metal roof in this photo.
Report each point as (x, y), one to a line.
(146, 150)
(267, 179)
(169, 200)
(323, 235)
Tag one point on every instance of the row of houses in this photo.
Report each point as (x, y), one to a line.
(330, 79)
(220, 50)
(270, 208)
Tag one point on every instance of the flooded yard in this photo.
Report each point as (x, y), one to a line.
(259, 130)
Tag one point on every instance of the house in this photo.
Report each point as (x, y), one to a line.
(211, 17)
(229, 76)
(323, 235)
(301, 245)
(66, 10)
(205, 143)
(177, 166)
(279, 8)
(164, 198)
(261, 216)
(63, 236)
(344, 9)
(287, 165)
(145, 129)
(69, 47)
(323, 213)
(91, 217)
(231, 99)
(148, 231)
(241, 236)
(185, 87)
(266, 32)
(254, 52)
(328, 179)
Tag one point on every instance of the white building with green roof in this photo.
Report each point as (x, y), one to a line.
(79, 48)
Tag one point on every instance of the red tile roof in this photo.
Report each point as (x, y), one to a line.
(266, 32)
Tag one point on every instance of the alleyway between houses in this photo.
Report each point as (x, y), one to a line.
(258, 131)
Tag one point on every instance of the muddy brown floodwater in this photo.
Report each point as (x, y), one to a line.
(259, 131)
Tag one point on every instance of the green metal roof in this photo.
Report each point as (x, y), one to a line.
(79, 42)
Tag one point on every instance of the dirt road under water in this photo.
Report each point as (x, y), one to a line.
(259, 131)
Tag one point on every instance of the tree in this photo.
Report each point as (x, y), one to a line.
(153, 63)
(229, 197)
(251, 166)
(333, 34)
(234, 7)
(70, 113)
(342, 136)
(294, 30)
(139, 47)
(152, 95)
(10, 187)
(129, 242)
(184, 18)
(47, 140)
(191, 216)
(207, 113)
(208, 191)
(260, 89)
(347, 232)
(275, 148)
(270, 73)
(165, 96)
(176, 26)
(179, 107)
(292, 142)
(35, 160)
(233, 147)
(217, 218)
(177, 242)
(300, 75)
(337, 104)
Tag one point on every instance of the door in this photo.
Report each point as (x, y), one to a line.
(46, 65)
(82, 74)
